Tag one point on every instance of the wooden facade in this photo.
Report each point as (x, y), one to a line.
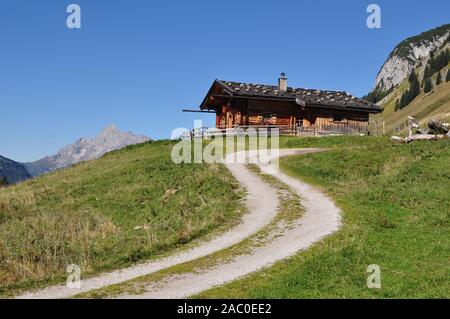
(238, 104)
(260, 113)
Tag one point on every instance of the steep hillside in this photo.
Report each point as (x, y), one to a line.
(12, 172)
(129, 205)
(426, 106)
(420, 90)
(408, 55)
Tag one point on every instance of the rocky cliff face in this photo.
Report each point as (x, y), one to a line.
(12, 172)
(408, 54)
(85, 149)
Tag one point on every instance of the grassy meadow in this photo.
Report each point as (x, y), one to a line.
(128, 206)
(396, 214)
(135, 204)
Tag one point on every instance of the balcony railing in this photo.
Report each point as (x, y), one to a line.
(285, 130)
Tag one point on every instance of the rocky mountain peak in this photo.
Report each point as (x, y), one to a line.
(111, 138)
(408, 54)
(109, 130)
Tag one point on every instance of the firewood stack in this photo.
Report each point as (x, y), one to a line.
(437, 127)
(436, 130)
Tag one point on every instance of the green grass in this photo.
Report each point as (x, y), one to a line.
(289, 211)
(396, 213)
(395, 203)
(128, 206)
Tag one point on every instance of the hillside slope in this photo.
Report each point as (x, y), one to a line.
(394, 200)
(408, 55)
(426, 106)
(12, 172)
(418, 90)
(104, 214)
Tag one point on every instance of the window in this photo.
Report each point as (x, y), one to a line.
(339, 118)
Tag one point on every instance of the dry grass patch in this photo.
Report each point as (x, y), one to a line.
(128, 206)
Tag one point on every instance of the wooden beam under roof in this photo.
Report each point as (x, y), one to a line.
(199, 111)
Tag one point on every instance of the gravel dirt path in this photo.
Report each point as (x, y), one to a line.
(261, 204)
(320, 219)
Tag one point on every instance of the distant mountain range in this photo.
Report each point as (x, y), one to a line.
(12, 172)
(84, 149)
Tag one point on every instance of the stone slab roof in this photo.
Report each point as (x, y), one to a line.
(311, 97)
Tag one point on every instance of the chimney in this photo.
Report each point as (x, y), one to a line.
(282, 83)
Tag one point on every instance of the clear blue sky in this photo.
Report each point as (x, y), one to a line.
(138, 63)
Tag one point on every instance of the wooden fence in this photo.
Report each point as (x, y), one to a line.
(285, 130)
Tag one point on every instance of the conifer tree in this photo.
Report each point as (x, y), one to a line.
(438, 79)
(428, 86)
(409, 95)
(426, 75)
(415, 86)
